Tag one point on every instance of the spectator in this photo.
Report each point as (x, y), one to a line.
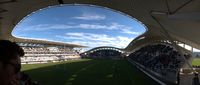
(10, 63)
(195, 80)
(158, 57)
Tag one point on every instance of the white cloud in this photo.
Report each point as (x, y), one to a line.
(128, 31)
(44, 39)
(75, 34)
(87, 16)
(87, 36)
(112, 26)
(91, 40)
(43, 27)
(96, 40)
(92, 26)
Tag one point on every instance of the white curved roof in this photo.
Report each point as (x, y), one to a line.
(180, 18)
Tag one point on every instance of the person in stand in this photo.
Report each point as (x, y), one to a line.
(195, 80)
(10, 63)
(178, 76)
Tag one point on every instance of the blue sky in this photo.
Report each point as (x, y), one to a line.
(80, 24)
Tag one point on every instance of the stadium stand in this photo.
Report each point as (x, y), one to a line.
(104, 52)
(162, 59)
(44, 54)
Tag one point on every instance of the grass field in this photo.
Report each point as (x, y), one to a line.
(196, 61)
(87, 72)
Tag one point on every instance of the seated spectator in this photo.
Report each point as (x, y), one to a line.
(26, 80)
(195, 80)
(158, 57)
(10, 63)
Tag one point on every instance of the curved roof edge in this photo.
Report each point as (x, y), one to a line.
(14, 39)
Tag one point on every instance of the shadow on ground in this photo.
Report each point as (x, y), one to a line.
(88, 72)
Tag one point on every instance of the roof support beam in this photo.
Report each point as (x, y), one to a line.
(169, 12)
(188, 2)
(177, 9)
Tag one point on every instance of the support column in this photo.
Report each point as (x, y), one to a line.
(191, 49)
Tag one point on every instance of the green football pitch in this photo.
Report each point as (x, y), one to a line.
(87, 72)
(196, 61)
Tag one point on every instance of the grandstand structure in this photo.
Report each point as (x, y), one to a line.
(43, 52)
(169, 21)
(104, 52)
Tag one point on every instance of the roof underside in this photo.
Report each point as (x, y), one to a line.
(180, 18)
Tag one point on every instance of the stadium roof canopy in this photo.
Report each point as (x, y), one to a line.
(104, 48)
(178, 18)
